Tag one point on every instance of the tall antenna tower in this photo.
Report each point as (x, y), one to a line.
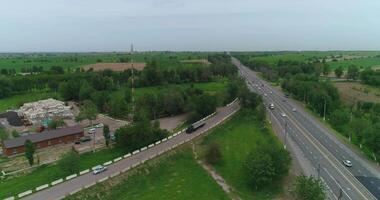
(133, 85)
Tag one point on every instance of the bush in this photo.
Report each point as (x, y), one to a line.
(15, 134)
(309, 188)
(266, 163)
(69, 163)
(213, 154)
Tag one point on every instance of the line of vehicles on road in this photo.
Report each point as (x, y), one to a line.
(271, 106)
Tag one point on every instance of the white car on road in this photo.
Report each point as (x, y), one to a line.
(99, 169)
(283, 114)
(347, 163)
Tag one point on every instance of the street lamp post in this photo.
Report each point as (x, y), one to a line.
(324, 110)
(286, 125)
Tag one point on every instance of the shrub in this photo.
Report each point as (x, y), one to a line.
(213, 154)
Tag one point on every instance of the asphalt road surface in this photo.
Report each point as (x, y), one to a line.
(71, 186)
(318, 144)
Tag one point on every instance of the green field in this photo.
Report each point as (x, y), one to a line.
(364, 58)
(74, 60)
(173, 176)
(236, 139)
(15, 101)
(48, 173)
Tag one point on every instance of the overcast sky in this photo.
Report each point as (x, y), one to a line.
(204, 25)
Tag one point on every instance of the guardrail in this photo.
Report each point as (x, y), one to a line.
(67, 178)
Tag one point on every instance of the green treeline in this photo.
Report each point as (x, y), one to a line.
(359, 122)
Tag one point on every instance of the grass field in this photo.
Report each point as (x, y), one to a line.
(74, 60)
(351, 92)
(47, 173)
(344, 58)
(173, 176)
(16, 101)
(236, 139)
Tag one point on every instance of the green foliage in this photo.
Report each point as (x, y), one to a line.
(339, 118)
(87, 111)
(106, 134)
(29, 151)
(213, 154)
(55, 123)
(118, 107)
(338, 71)
(15, 134)
(139, 134)
(177, 170)
(69, 163)
(309, 188)
(265, 164)
(353, 72)
(205, 104)
(3, 134)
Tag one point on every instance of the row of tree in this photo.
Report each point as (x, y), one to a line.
(358, 122)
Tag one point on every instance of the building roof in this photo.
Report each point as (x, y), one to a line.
(46, 135)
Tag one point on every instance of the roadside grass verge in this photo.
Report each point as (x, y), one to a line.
(236, 138)
(175, 175)
(48, 173)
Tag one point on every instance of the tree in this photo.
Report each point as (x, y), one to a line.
(69, 162)
(85, 91)
(118, 106)
(205, 105)
(106, 134)
(326, 69)
(309, 188)
(352, 72)
(213, 154)
(338, 71)
(266, 163)
(87, 111)
(29, 151)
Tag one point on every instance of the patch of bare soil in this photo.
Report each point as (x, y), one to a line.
(353, 91)
(197, 61)
(114, 66)
(170, 123)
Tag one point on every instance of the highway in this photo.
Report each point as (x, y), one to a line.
(318, 144)
(74, 185)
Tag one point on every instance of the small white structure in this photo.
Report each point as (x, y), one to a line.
(37, 111)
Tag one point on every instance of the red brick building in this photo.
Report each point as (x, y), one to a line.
(44, 139)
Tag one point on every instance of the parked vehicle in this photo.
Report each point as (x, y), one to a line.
(195, 126)
(100, 125)
(77, 142)
(85, 138)
(91, 130)
(99, 169)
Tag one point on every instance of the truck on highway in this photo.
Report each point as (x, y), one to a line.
(195, 126)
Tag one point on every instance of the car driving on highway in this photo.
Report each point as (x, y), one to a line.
(347, 163)
(283, 114)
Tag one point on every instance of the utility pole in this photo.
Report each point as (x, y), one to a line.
(324, 110)
(286, 125)
(132, 96)
(319, 170)
(132, 84)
